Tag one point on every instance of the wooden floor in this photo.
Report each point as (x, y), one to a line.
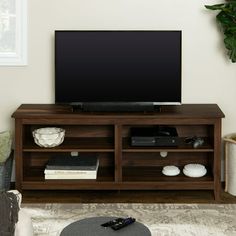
(124, 197)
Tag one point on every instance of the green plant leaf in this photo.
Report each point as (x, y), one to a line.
(232, 28)
(232, 3)
(216, 7)
(224, 18)
(227, 19)
(230, 44)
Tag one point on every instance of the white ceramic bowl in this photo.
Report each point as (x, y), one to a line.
(170, 170)
(49, 136)
(194, 170)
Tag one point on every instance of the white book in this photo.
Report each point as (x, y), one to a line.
(50, 172)
(71, 176)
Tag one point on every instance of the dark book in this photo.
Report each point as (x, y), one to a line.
(68, 162)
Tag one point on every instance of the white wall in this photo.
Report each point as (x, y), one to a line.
(208, 75)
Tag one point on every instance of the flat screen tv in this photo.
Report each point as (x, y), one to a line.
(118, 69)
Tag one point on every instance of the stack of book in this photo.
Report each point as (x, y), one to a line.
(72, 167)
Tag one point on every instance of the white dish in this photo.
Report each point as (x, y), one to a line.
(49, 136)
(170, 170)
(194, 167)
(194, 170)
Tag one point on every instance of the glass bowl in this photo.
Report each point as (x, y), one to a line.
(49, 136)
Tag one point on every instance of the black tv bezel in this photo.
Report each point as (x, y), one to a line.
(119, 103)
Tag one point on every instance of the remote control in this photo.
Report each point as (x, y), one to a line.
(112, 222)
(123, 223)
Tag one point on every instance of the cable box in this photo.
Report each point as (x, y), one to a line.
(158, 136)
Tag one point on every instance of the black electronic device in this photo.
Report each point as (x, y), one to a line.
(112, 222)
(196, 142)
(125, 222)
(157, 136)
(132, 70)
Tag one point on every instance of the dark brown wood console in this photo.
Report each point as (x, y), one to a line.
(121, 166)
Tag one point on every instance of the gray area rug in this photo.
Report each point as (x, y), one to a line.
(161, 219)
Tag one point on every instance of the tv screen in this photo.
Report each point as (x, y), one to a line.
(118, 66)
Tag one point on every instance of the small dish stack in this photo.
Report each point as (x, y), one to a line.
(194, 170)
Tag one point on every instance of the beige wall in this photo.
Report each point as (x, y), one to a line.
(208, 76)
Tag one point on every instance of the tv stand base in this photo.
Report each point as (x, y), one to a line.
(122, 166)
(119, 107)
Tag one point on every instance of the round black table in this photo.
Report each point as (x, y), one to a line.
(92, 227)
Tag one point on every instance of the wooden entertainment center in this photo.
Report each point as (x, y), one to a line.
(121, 166)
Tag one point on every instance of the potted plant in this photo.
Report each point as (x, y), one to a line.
(227, 20)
